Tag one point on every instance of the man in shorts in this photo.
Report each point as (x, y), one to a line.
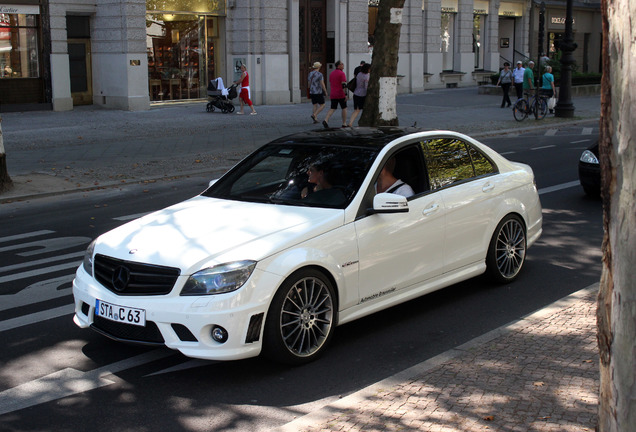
(317, 90)
(338, 95)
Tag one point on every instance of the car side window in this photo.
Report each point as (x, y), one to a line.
(451, 160)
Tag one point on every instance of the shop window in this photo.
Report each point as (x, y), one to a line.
(19, 45)
(478, 48)
(181, 57)
(373, 22)
(447, 31)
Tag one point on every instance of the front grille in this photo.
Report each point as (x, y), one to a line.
(149, 334)
(131, 278)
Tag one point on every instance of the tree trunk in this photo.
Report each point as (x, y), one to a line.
(616, 312)
(380, 103)
(5, 180)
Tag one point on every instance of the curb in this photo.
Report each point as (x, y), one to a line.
(357, 398)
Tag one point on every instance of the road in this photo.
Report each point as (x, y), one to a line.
(53, 373)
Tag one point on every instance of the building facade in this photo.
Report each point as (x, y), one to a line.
(128, 54)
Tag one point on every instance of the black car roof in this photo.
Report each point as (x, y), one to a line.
(369, 137)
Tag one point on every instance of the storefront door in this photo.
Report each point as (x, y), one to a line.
(313, 39)
(79, 58)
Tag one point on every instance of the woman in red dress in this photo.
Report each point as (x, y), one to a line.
(244, 96)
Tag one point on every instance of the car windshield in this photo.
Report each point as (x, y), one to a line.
(316, 175)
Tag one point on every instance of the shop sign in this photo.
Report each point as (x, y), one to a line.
(558, 21)
(510, 9)
(20, 9)
(480, 7)
(449, 6)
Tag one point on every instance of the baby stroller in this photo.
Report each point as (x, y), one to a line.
(220, 97)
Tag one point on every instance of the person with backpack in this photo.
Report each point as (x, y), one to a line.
(360, 92)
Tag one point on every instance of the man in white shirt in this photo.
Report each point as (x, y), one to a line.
(387, 182)
(517, 75)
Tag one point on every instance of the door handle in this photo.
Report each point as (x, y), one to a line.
(430, 210)
(488, 187)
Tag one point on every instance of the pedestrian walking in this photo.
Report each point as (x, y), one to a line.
(518, 79)
(505, 81)
(360, 93)
(244, 95)
(317, 90)
(547, 88)
(358, 68)
(338, 95)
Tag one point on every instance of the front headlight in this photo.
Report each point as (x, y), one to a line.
(589, 157)
(88, 258)
(219, 279)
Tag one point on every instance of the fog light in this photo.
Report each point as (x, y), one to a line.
(219, 334)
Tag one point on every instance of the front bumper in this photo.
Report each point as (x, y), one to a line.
(181, 323)
(590, 176)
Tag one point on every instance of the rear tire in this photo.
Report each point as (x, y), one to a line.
(301, 319)
(541, 109)
(507, 249)
(231, 108)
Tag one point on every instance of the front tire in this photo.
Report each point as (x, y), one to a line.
(520, 110)
(301, 318)
(507, 250)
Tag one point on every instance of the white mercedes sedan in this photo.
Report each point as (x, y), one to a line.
(310, 231)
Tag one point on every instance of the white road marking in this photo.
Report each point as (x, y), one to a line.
(47, 245)
(587, 131)
(25, 235)
(558, 187)
(13, 267)
(131, 217)
(38, 292)
(68, 382)
(188, 364)
(551, 132)
(543, 147)
(37, 317)
(580, 141)
(38, 272)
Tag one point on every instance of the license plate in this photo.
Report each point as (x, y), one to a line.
(119, 313)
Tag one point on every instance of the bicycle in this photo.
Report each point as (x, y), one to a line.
(535, 105)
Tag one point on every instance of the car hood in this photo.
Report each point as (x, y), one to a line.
(204, 231)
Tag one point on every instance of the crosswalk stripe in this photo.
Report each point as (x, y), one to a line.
(25, 235)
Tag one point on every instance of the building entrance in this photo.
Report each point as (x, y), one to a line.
(79, 58)
(312, 39)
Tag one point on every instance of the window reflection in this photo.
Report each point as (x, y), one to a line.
(181, 55)
(451, 160)
(19, 46)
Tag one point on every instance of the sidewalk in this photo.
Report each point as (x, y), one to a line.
(56, 152)
(537, 374)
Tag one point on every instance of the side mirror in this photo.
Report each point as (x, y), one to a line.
(389, 203)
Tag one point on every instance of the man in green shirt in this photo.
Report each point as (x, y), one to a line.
(528, 77)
